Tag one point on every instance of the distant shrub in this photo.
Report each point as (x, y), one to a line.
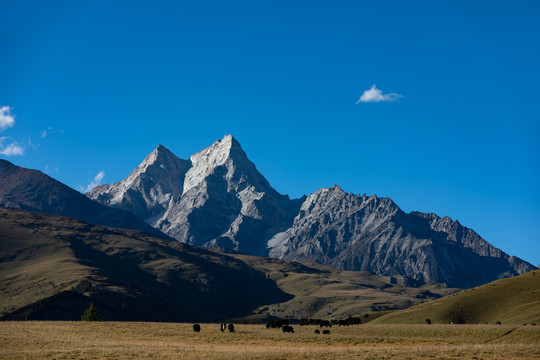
(82, 287)
(457, 316)
(91, 314)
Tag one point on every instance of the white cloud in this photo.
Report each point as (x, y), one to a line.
(376, 95)
(8, 147)
(6, 119)
(95, 182)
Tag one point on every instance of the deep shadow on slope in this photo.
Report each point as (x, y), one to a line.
(131, 277)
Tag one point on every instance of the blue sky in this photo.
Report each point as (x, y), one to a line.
(92, 87)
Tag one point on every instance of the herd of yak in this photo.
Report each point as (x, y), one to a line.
(284, 325)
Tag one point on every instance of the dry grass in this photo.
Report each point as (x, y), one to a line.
(109, 340)
(511, 301)
(328, 293)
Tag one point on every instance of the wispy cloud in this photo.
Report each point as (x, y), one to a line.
(51, 130)
(93, 183)
(50, 169)
(10, 147)
(6, 119)
(44, 133)
(376, 95)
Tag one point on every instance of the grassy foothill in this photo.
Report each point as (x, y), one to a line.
(130, 340)
(509, 301)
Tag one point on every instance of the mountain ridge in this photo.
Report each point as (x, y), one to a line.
(31, 190)
(373, 234)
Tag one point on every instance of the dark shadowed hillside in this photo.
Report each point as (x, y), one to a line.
(32, 190)
(51, 267)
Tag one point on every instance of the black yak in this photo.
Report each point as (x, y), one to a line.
(231, 328)
(287, 329)
(196, 327)
(277, 323)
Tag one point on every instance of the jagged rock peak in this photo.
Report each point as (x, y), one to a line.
(226, 153)
(160, 154)
(149, 188)
(336, 193)
(219, 151)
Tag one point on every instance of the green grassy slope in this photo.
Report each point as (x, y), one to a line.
(325, 292)
(510, 301)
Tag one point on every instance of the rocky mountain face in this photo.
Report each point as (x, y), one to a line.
(217, 198)
(149, 190)
(31, 190)
(373, 234)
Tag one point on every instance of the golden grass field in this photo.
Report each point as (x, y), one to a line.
(123, 340)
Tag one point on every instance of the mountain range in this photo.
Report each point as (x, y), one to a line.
(266, 254)
(218, 198)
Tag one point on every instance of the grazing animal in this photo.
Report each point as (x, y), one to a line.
(231, 328)
(326, 331)
(287, 329)
(428, 321)
(196, 327)
(317, 331)
(223, 327)
(498, 323)
(325, 323)
(277, 323)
